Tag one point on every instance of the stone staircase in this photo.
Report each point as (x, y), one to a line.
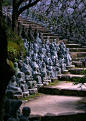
(63, 88)
(76, 50)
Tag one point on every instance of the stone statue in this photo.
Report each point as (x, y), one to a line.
(13, 86)
(29, 80)
(41, 36)
(47, 59)
(47, 43)
(67, 57)
(11, 119)
(35, 34)
(50, 69)
(22, 84)
(36, 75)
(43, 50)
(26, 112)
(43, 71)
(23, 32)
(20, 62)
(34, 63)
(14, 106)
(26, 66)
(16, 68)
(11, 107)
(26, 44)
(39, 41)
(57, 47)
(62, 63)
(30, 34)
(54, 42)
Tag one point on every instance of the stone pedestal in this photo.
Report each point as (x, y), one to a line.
(33, 91)
(39, 85)
(54, 79)
(49, 81)
(45, 83)
(65, 72)
(25, 94)
(18, 97)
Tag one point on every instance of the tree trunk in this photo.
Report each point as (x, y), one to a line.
(15, 17)
(15, 23)
(5, 71)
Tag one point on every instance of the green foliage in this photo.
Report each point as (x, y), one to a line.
(16, 60)
(81, 80)
(6, 3)
(15, 44)
(10, 63)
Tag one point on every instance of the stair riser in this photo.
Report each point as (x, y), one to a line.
(67, 78)
(56, 91)
(75, 71)
(77, 50)
(77, 54)
(78, 64)
(73, 46)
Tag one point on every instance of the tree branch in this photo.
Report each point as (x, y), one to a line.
(27, 6)
(30, 1)
(19, 3)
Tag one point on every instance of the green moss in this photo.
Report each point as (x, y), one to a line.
(32, 96)
(10, 63)
(15, 44)
(54, 83)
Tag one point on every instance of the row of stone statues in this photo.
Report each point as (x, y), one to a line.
(44, 61)
(12, 109)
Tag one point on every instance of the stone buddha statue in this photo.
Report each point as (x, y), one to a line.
(36, 75)
(16, 68)
(67, 57)
(13, 85)
(26, 66)
(25, 114)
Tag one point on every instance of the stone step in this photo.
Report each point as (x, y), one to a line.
(64, 88)
(50, 37)
(65, 41)
(34, 26)
(78, 64)
(48, 34)
(56, 108)
(68, 77)
(73, 45)
(77, 54)
(40, 30)
(76, 70)
(61, 37)
(69, 67)
(71, 116)
(77, 49)
(77, 58)
(70, 42)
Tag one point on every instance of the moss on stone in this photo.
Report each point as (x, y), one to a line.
(15, 44)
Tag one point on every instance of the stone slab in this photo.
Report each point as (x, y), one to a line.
(64, 88)
(54, 105)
